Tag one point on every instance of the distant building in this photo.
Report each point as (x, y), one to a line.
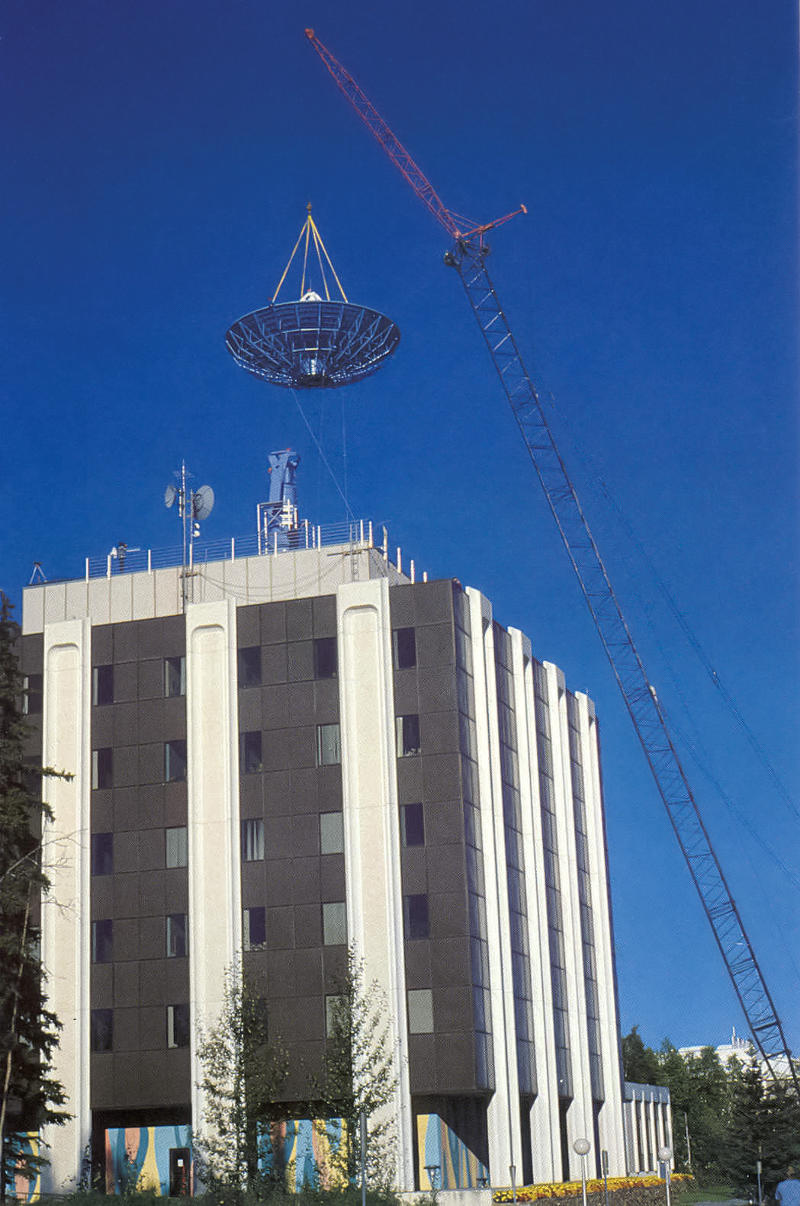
(743, 1050)
(648, 1126)
(281, 753)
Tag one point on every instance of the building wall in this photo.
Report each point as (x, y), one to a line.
(432, 795)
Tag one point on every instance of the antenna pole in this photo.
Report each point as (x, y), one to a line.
(184, 508)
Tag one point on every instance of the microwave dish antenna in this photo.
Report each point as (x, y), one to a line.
(315, 341)
(202, 502)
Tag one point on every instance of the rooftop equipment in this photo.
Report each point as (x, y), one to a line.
(313, 342)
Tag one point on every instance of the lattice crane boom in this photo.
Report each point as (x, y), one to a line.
(467, 256)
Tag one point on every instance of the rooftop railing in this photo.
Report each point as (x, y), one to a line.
(124, 560)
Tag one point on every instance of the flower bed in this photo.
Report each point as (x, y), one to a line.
(626, 1191)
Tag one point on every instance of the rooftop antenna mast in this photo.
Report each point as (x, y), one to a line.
(193, 506)
(467, 255)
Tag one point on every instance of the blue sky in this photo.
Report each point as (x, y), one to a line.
(159, 157)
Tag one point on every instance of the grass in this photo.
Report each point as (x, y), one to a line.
(708, 1193)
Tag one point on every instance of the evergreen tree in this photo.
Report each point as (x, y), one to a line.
(29, 1096)
(243, 1072)
(639, 1063)
(764, 1125)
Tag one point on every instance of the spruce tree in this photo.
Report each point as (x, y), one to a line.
(29, 1095)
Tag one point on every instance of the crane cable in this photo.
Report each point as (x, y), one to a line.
(589, 463)
(326, 463)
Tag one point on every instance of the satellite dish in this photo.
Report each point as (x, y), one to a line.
(170, 494)
(203, 502)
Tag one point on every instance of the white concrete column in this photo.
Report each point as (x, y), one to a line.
(371, 822)
(505, 1144)
(610, 1120)
(579, 1114)
(545, 1137)
(212, 728)
(65, 924)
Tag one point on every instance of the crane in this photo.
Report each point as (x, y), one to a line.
(467, 255)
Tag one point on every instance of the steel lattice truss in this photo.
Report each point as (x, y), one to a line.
(305, 344)
(468, 257)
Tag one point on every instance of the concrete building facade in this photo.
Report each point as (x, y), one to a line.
(303, 752)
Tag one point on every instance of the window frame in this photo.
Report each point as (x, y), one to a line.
(252, 838)
(172, 750)
(103, 685)
(102, 768)
(169, 669)
(248, 763)
(103, 940)
(406, 748)
(247, 937)
(177, 936)
(101, 857)
(101, 1026)
(331, 833)
(326, 667)
(175, 1026)
(420, 1000)
(322, 747)
(415, 928)
(247, 676)
(334, 924)
(182, 843)
(405, 813)
(402, 648)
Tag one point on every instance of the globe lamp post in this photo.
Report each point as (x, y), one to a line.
(582, 1147)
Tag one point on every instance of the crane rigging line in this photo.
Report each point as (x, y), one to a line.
(323, 458)
(467, 256)
(726, 695)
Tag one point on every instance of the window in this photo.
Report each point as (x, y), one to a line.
(407, 735)
(254, 928)
(334, 1014)
(420, 1011)
(331, 833)
(250, 753)
(177, 852)
(102, 853)
(404, 647)
(177, 935)
(177, 1025)
(102, 685)
(334, 923)
(249, 666)
(32, 694)
(415, 916)
(412, 825)
(102, 768)
(326, 658)
(102, 941)
(174, 761)
(174, 676)
(329, 745)
(101, 1027)
(252, 840)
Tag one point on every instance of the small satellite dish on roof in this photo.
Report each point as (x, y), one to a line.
(170, 494)
(202, 502)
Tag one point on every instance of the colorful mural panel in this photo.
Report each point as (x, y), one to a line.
(19, 1185)
(306, 1153)
(152, 1158)
(440, 1148)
